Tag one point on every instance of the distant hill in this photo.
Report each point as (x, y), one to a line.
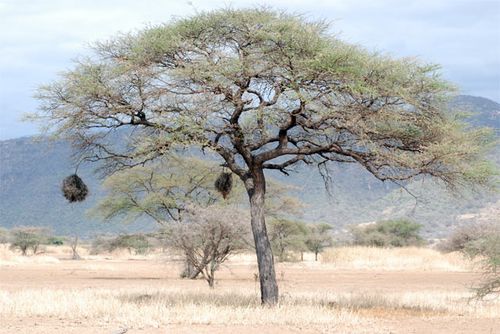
(31, 173)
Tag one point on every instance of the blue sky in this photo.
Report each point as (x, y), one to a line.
(39, 38)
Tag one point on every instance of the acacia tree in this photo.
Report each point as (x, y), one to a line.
(318, 238)
(264, 90)
(26, 238)
(285, 236)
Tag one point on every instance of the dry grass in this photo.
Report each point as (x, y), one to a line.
(408, 258)
(125, 298)
(157, 307)
(356, 258)
(52, 254)
(10, 258)
(139, 307)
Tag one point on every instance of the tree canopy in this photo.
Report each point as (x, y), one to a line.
(160, 191)
(256, 85)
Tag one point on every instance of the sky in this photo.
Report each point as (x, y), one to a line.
(41, 38)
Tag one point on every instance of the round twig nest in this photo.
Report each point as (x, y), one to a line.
(224, 184)
(74, 189)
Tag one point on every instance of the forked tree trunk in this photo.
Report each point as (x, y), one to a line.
(74, 245)
(190, 271)
(256, 188)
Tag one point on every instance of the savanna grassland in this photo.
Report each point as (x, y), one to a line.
(350, 290)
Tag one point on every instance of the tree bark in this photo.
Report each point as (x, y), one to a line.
(190, 271)
(256, 188)
(74, 245)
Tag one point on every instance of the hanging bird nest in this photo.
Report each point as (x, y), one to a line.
(224, 184)
(73, 188)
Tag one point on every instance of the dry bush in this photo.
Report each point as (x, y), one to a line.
(481, 243)
(4, 235)
(405, 258)
(208, 236)
(464, 234)
(486, 252)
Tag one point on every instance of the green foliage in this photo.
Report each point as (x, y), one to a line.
(228, 80)
(318, 238)
(484, 247)
(132, 242)
(389, 233)
(28, 238)
(159, 191)
(287, 236)
(57, 241)
(487, 249)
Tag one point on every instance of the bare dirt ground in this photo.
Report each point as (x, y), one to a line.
(311, 278)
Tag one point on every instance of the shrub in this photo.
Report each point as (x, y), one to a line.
(132, 242)
(464, 234)
(56, 241)
(483, 245)
(101, 244)
(388, 233)
(4, 236)
(28, 238)
(207, 237)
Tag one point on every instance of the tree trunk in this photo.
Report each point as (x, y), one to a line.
(190, 271)
(315, 256)
(256, 188)
(211, 276)
(74, 245)
(193, 273)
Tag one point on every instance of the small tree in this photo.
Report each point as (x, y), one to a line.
(388, 233)
(318, 238)
(28, 238)
(286, 236)
(207, 237)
